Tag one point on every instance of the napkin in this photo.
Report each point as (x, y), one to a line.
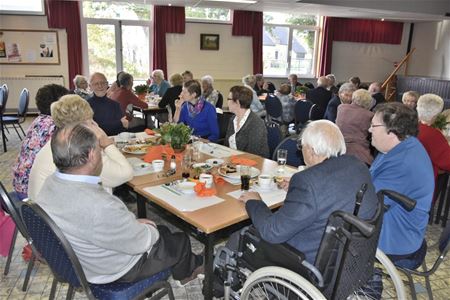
(243, 161)
(202, 191)
(149, 131)
(218, 180)
(157, 152)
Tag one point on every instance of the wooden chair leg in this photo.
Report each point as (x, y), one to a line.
(10, 254)
(53, 290)
(28, 274)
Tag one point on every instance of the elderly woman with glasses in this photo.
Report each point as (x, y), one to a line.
(246, 130)
(428, 107)
(193, 110)
(354, 121)
(208, 92)
(69, 111)
(159, 85)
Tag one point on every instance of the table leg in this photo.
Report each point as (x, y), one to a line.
(209, 259)
(141, 206)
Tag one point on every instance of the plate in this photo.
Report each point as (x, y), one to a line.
(203, 166)
(254, 172)
(142, 166)
(135, 149)
(186, 187)
(215, 161)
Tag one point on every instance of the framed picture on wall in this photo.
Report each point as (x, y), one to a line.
(209, 41)
(29, 47)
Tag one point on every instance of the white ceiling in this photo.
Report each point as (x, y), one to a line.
(397, 10)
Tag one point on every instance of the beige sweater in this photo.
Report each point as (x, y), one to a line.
(116, 169)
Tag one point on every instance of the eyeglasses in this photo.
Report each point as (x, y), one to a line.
(230, 99)
(101, 83)
(377, 125)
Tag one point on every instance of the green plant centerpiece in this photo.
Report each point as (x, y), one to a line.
(141, 91)
(440, 122)
(176, 135)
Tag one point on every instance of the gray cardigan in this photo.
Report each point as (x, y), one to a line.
(105, 235)
(252, 137)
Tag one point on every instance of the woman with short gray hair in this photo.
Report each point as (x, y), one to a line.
(256, 106)
(428, 107)
(208, 92)
(71, 110)
(354, 121)
(159, 85)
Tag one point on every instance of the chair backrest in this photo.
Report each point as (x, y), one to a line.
(6, 90)
(294, 156)
(223, 120)
(219, 102)
(347, 251)
(273, 106)
(302, 111)
(315, 113)
(24, 100)
(12, 210)
(273, 139)
(4, 98)
(51, 243)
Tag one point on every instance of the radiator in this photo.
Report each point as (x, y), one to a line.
(32, 83)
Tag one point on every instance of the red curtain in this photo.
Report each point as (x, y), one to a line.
(250, 23)
(66, 15)
(166, 19)
(357, 31)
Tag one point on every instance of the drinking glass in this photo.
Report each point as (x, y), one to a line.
(186, 165)
(245, 177)
(281, 159)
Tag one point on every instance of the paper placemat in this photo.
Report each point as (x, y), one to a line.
(270, 197)
(218, 151)
(181, 201)
(137, 172)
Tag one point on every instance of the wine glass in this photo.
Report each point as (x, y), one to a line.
(281, 159)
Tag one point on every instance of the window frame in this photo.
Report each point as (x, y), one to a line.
(291, 28)
(117, 23)
(209, 21)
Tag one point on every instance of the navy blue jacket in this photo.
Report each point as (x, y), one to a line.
(312, 196)
(331, 112)
(107, 114)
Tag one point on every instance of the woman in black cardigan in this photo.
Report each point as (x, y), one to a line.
(246, 131)
(172, 94)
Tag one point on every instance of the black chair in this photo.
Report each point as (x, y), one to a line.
(22, 110)
(12, 210)
(274, 110)
(316, 113)
(219, 102)
(223, 120)
(442, 199)
(302, 114)
(443, 250)
(294, 156)
(3, 101)
(273, 139)
(66, 268)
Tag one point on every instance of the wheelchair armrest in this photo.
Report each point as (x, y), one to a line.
(363, 227)
(407, 203)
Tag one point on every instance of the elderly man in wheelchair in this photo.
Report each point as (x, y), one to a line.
(324, 241)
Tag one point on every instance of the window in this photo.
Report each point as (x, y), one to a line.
(23, 7)
(117, 37)
(208, 14)
(289, 44)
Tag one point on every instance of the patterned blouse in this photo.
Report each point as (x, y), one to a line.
(39, 132)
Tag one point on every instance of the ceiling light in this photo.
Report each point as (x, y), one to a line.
(235, 1)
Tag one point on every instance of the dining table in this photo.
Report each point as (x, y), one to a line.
(152, 109)
(208, 219)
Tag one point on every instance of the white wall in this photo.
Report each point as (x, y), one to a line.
(227, 66)
(35, 23)
(432, 55)
(371, 62)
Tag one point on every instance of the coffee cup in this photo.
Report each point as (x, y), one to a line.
(265, 181)
(158, 165)
(126, 135)
(207, 179)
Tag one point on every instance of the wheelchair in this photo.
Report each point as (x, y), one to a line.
(345, 267)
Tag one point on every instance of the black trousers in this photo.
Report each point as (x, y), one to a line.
(172, 250)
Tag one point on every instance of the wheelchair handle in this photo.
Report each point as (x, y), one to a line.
(407, 203)
(366, 229)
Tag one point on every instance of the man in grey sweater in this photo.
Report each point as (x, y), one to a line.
(109, 241)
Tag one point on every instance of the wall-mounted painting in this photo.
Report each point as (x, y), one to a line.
(209, 41)
(29, 47)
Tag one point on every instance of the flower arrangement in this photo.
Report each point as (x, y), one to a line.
(177, 135)
(141, 89)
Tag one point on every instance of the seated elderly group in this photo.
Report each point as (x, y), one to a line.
(74, 165)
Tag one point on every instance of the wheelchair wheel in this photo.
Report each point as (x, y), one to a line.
(278, 283)
(386, 283)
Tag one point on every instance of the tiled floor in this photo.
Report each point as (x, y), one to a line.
(41, 279)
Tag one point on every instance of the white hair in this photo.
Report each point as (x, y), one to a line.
(332, 78)
(362, 98)
(347, 87)
(428, 106)
(78, 78)
(158, 73)
(325, 138)
(249, 80)
(208, 79)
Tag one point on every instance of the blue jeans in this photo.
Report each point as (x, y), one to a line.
(410, 261)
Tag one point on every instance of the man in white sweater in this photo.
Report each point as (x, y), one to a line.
(109, 241)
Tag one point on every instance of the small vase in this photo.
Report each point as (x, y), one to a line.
(179, 149)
